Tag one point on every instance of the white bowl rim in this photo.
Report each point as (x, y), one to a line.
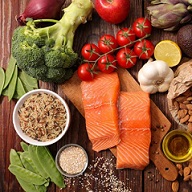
(28, 139)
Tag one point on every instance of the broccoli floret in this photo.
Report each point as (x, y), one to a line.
(58, 58)
(37, 72)
(31, 54)
(47, 53)
(26, 34)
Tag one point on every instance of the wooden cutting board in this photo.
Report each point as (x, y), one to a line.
(160, 124)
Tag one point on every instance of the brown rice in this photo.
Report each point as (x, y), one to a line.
(42, 117)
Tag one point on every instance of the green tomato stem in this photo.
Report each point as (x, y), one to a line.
(111, 51)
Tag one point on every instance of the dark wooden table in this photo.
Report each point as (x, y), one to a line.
(101, 174)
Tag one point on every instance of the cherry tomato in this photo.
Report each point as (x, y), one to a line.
(125, 36)
(107, 63)
(142, 27)
(85, 72)
(90, 52)
(144, 49)
(107, 43)
(126, 58)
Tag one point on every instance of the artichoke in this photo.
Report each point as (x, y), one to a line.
(170, 15)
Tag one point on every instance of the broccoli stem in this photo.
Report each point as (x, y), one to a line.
(76, 14)
(45, 20)
(63, 31)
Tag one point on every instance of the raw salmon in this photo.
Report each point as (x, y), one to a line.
(135, 133)
(100, 98)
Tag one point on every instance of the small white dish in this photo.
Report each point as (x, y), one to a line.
(16, 121)
(75, 160)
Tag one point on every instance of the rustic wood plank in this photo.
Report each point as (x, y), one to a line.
(8, 138)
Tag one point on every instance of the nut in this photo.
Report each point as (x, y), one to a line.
(182, 113)
(186, 102)
(190, 119)
(187, 178)
(189, 99)
(176, 105)
(190, 164)
(184, 119)
(189, 106)
(190, 112)
(180, 169)
(186, 171)
(183, 105)
(179, 166)
(181, 98)
(175, 186)
(189, 127)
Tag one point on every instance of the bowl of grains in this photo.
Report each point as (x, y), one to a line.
(71, 160)
(41, 117)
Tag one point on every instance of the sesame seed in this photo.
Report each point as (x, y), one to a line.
(72, 160)
(100, 175)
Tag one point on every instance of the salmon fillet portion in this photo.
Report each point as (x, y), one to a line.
(135, 133)
(100, 98)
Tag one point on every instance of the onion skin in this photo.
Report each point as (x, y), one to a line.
(41, 9)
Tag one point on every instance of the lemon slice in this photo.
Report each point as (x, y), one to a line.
(169, 52)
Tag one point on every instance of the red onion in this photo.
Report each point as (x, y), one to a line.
(41, 9)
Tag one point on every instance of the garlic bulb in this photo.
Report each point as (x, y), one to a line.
(155, 76)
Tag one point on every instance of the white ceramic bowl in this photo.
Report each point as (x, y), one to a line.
(16, 121)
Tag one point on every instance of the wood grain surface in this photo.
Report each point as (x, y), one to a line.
(96, 178)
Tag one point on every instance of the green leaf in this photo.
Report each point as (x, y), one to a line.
(14, 158)
(2, 79)
(26, 175)
(12, 84)
(5, 92)
(20, 90)
(29, 82)
(9, 71)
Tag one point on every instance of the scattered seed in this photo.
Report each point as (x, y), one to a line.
(101, 172)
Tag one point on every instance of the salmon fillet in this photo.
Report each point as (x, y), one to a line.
(100, 98)
(135, 133)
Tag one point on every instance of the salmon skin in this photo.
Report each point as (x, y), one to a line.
(100, 97)
(135, 133)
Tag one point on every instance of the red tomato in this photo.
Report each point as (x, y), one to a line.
(144, 49)
(107, 43)
(125, 36)
(107, 63)
(126, 58)
(90, 52)
(142, 27)
(85, 72)
(114, 11)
